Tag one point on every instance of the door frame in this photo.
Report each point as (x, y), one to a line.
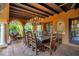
(70, 23)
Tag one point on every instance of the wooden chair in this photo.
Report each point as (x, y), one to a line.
(28, 40)
(51, 45)
(36, 45)
(31, 41)
(59, 38)
(25, 38)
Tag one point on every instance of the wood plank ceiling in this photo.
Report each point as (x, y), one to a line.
(29, 10)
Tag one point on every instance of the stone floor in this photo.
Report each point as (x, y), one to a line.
(19, 49)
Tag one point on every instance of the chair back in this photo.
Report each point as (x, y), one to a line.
(34, 40)
(34, 43)
(53, 40)
(59, 38)
(29, 38)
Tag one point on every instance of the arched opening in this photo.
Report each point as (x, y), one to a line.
(28, 27)
(39, 27)
(15, 29)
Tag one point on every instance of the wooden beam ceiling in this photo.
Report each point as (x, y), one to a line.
(54, 7)
(16, 12)
(41, 8)
(17, 15)
(52, 10)
(65, 6)
(21, 13)
(73, 5)
(26, 11)
(60, 7)
(29, 10)
(62, 4)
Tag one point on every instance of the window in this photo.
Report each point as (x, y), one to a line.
(28, 27)
(39, 28)
(47, 27)
(74, 30)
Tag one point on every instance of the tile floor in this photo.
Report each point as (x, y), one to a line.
(19, 49)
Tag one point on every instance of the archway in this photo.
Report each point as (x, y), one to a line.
(61, 26)
(15, 29)
(28, 27)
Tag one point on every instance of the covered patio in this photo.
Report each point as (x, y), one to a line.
(42, 29)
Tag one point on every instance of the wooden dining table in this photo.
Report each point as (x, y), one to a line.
(46, 37)
(42, 38)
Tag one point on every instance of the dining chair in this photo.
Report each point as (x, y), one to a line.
(36, 44)
(59, 38)
(25, 38)
(52, 44)
(28, 39)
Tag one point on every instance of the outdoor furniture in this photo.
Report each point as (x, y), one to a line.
(35, 44)
(42, 36)
(25, 38)
(59, 38)
(28, 38)
(38, 43)
(51, 44)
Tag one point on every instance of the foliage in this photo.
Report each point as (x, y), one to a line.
(15, 28)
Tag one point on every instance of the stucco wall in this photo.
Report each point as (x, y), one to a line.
(63, 16)
(4, 13)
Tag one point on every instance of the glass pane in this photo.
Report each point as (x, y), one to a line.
(39, 28)
(75, 31)
(48, 27)
(28, 27)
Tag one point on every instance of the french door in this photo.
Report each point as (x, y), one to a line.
(74, 30)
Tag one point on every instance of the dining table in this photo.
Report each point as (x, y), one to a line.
(43, 37)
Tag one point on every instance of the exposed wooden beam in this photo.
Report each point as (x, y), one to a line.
(46, 6)
(62, 4)
(16, 15)
(73, 5)
(40, 7)
(26, 11)
(22, 10)
(19, 16)
(55, 7)
(31, 9)
(21, 13)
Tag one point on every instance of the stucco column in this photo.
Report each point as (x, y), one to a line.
(2, 37)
